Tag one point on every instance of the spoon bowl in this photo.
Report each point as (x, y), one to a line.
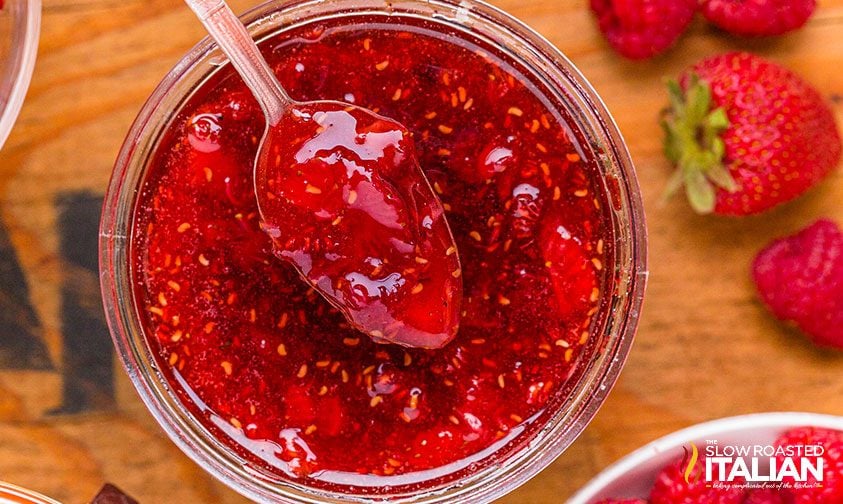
(344, 200)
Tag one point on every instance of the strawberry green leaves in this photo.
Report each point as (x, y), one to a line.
(693, 143)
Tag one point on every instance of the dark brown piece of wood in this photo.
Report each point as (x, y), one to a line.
(110, 494)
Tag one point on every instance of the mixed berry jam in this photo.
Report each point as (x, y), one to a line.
(273, 369)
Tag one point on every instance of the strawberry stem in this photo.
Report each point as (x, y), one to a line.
(693, 143)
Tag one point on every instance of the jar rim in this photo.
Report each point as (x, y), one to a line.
(23, 46)
(491, 481)
(20, 494)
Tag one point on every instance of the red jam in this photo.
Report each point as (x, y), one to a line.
(274, 370)
(344, 200)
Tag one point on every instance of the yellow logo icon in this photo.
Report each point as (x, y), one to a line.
(692, 462)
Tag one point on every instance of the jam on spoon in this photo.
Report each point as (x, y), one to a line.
(344, 200)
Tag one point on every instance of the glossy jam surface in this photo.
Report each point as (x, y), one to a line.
(273, 369)
(343, 198)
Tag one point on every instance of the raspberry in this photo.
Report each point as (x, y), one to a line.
(767, 496)
(800, 278)
(830, 489)
(671, 488)
(640, 29)
(758, 17)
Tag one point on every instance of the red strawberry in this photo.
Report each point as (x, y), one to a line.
(671, 488)
(747, 135)
(758, 17)
(640, 29)
(800, 278)
(622, 501)
(830, 489)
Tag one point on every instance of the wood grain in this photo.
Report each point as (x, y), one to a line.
(706, 348)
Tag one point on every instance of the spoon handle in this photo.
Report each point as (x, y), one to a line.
(231, 36)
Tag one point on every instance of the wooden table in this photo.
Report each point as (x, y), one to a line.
(70, 419)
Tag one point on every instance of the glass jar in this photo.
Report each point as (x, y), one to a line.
(584, 392)
(12, 494)
(20, 22)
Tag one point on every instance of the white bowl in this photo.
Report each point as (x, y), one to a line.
(20, 24)
(634, 475)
